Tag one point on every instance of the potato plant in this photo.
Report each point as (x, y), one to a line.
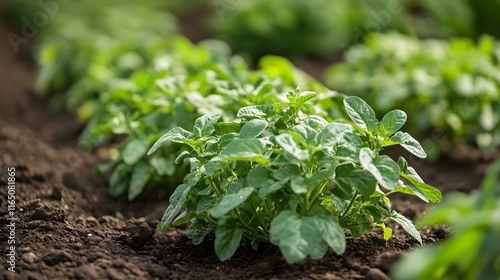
(185, 83)
(472, 251)
(453, 86)
(293, 179)
(133, 82)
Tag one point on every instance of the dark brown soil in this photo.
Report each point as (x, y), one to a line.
(69, 227)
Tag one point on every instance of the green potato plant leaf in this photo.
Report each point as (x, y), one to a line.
(227, 241)
(253, 128)
(361, 113)
(448, 88)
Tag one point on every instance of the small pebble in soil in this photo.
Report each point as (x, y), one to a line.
(29, 257)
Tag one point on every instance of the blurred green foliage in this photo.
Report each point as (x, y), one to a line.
(295, 27)
(473, 250)
(90, 45)
(453, 86)
(318, 27)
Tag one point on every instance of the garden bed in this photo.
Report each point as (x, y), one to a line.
(69, 227)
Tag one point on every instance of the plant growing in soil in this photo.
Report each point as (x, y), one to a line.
(453, 86)
(292, 179)
(473, 251)
(186, 82)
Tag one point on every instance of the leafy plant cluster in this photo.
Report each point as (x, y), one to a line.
(131, 80)
(453, 86)
(319, 27)
(472, 251)
(295, 27)
(291, 178)
(184, 84)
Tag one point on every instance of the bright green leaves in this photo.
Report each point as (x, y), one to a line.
(417, 185)
(253, 128)
(269, 178)
(227, 241)
(333, 134)
(248, 149)
(361, 113)
(386, 132)
(230, 201)
(204, 125)
(406, 225)
(291, 148)
(255, 111)
(301, 236)
(383, 168)
(409, 143)
(177, 134)
(391, 123)
(177, 200)
(135, 150)
(297, 99)
(450, 92)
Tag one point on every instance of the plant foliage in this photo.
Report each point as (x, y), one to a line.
(90, 46)
(294, 179)
(472, 251)
(453, 86)
(186, 82)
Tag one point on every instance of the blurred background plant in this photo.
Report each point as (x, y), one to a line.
(473, 250)
(453, 85)
(319, 27)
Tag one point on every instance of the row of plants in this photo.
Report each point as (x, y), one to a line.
(320, 27)
(261, 155)
(131, 83)
(264, 162)
(190, 81)
(452, 86)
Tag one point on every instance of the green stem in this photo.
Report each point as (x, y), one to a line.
(306, 204)
(211, 220)
(249, 227)
(262, 223)
(349, 206)
(216, 189)
(268, 207)
(320, 191)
